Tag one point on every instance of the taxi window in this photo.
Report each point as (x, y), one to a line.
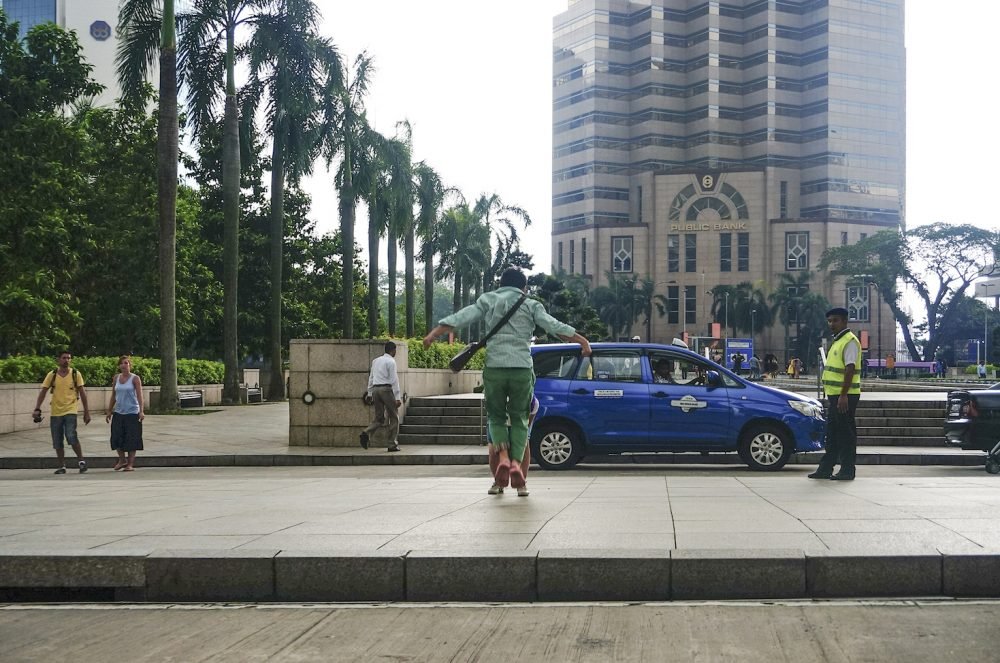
(671, 369)
(555, 365)
(613, 366)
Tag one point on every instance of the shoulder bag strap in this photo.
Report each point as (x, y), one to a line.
(505, 319)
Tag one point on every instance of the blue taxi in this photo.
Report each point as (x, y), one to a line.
(636, 398)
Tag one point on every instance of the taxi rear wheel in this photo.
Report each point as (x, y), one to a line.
(556, 447)
(765, 448)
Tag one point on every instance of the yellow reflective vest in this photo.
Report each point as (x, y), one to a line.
(833, 371)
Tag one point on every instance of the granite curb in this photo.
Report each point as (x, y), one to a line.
(383, 459)
(501, 576)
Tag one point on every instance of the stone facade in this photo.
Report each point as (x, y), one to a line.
(335, 371)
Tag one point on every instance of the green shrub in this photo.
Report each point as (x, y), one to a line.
(439, 354)
(972, 369)
(98, 371)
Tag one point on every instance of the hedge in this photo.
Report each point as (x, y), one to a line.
(971, 369)
(439, 354)
(98, 371)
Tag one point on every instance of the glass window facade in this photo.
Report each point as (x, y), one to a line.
(743, 252)
(857, 303)
(690, 252)
(29, 13)
(726, 252)
(621, 254)
(673, 253)
(796, 251)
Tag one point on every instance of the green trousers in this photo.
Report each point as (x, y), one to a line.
(508, 397)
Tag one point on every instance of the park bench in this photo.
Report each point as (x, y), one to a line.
(191, 399)
(255, 395)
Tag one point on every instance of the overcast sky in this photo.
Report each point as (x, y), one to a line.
(474, 80)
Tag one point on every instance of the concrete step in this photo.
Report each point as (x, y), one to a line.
(449, 420)
(440, 440)
(901, 432)
(446, 402)
(916, 422)
(426, 411)
(882, 441)
(414, 429)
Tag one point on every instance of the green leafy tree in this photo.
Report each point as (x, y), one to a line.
(939, 261)
(41, 181)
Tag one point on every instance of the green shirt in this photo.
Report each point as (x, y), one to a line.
(511, 346)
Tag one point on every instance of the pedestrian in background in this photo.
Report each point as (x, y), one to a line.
(754, 367)
(890, 365)
(383, 388)
(842, 385)
(66, 385)
(981, 369)
(126, 413)
(509, 377)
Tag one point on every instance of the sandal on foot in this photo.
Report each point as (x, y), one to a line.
(119, 465)
(128, 468)
(503, 473)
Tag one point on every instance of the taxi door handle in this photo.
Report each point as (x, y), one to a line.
(660, 394)
(580, 391)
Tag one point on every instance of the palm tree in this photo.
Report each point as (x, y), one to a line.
(294, 68)
(500, 218)
(208, 48)
(400, 222)
(372, 179)
(464, 243)
(138, 23)
(429, 193)
(345, 126)
(750, 311)
(787, 301)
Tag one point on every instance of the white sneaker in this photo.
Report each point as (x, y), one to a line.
(522, 491)
(495, 490)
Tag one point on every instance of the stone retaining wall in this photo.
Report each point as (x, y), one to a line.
(335, 371)
(18, 400)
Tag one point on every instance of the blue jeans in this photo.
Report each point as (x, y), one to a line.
(63, 426)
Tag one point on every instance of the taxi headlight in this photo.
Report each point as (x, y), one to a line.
(806, 408)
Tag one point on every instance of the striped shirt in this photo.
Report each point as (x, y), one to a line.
(511, 346)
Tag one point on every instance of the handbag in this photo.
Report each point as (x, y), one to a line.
(461, 360)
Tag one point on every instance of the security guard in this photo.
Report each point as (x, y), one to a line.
(842, 384)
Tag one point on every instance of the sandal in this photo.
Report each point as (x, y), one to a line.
(128, 468)
(119, 465)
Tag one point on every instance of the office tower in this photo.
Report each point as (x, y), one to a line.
(93, 21)
(703, 143)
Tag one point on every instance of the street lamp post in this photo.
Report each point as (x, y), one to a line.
(727, 314)
(753, 323)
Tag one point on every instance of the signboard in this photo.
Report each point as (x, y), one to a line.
(742, 346)
(988, 288)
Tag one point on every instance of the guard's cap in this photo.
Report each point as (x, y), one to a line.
(837, 310)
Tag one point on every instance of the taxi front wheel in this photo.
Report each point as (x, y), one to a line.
(556, 447)
(765, 448)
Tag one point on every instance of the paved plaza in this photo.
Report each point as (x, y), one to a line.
(843, 632)
(422, 508)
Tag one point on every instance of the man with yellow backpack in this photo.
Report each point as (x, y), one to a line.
(66, 386)
(842, 385)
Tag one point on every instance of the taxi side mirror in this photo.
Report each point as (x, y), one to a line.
(713, 379)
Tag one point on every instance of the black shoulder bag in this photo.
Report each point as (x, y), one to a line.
(460, 360)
